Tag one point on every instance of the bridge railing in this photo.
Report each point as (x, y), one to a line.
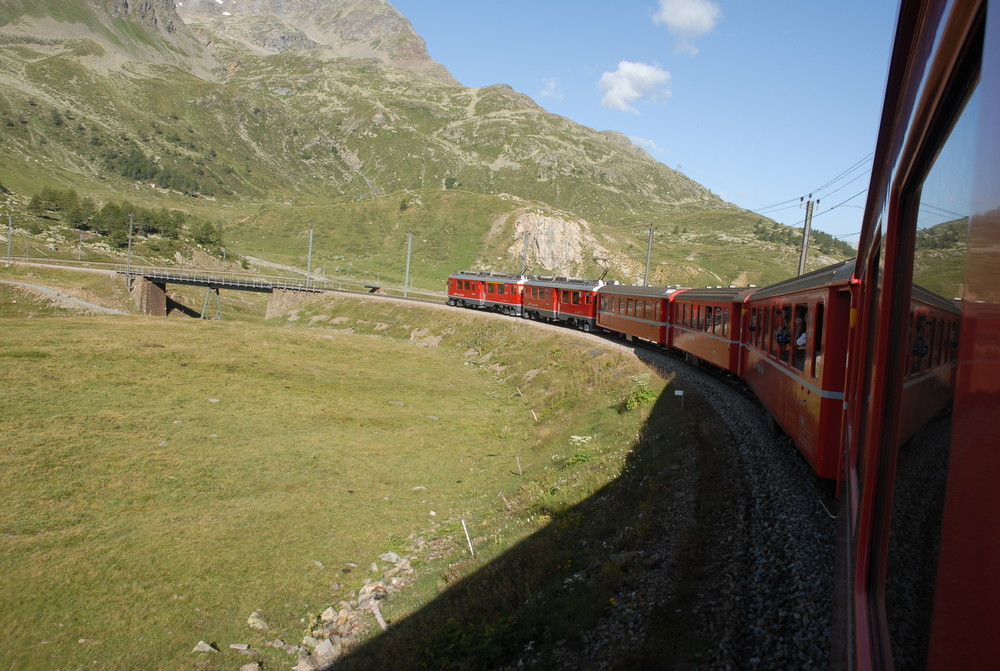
(227, 279)
(257, 282)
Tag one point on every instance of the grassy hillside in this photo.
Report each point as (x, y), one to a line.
(160, 480)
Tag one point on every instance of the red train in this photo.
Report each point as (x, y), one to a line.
(852, 360)
(788, 342)
(919, 553)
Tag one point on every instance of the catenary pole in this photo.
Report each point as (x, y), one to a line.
(128, 263)
(649, 250)
(805, 234)
(309, 258)
(409, 248)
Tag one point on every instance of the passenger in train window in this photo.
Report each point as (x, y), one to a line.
(784, 335)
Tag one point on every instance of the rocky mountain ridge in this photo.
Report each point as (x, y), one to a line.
(341, 28)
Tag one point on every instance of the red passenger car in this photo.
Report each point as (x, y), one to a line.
(796, 350)
(707, 324)
(567, 300)
(919, 541)
(492, 291)
(634, 311)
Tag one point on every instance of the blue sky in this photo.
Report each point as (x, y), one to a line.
(762, 102)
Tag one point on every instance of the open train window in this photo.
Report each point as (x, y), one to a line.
(766, 343)
(817, 360)
(800, 336)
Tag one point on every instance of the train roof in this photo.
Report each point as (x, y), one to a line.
(730, 294)
(576, 283)
(634, 290)
(486, 275)
(936, 300)
(835, 275)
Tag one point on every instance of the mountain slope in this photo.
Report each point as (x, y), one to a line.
(260, 121)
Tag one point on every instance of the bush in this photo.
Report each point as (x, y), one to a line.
(640, 395)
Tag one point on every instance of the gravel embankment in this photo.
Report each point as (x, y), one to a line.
(766, 600)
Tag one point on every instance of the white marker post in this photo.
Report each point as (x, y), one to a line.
(680, 392)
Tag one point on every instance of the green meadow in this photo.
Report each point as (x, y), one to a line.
(162, 479)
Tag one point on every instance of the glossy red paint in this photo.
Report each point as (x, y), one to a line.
(636, 311)
(796, 350)
(570, 301)
(908, 511)
(708, 324)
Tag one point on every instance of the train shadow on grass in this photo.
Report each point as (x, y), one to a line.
(529, 605)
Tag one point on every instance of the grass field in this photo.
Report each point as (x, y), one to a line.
(162, 479)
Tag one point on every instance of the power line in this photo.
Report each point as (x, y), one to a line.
(854, 167)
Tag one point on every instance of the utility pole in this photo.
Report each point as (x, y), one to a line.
(309, 259)
(128, 263)
(10, 233)
(409, 248)
(805, 233)
(524, 256)
(649, 250)
(79, 247)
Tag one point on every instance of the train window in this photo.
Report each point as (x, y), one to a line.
(800, 337)
(765, 329)
(490, 288)
(725, 322)
(935, 214)
(501, 288)
(576, 298)
(817, 360)
(782, 334)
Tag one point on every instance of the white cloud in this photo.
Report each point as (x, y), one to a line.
(688, 19)
(552, 89)
(647, 144)
(632, 82)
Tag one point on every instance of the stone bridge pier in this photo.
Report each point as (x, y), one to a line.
(151, 297)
